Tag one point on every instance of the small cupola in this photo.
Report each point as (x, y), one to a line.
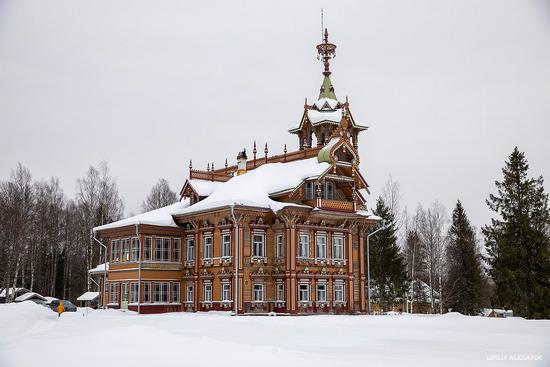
(241, 163)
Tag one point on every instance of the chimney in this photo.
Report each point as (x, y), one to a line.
(241, 163)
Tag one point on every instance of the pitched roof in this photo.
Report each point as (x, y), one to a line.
(158, 217)
(254, 188)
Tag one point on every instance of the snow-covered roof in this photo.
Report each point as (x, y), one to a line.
(50, 299)
(254, 187)
(203, 187)
(318, 116)
(158, 217)
(98, 269)
(88, 296)
(10, 291)
(320, 103)
(368, 214)
(29, 295)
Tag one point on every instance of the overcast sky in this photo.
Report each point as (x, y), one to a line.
(448, 88)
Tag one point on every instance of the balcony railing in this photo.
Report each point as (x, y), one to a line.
(334, 205)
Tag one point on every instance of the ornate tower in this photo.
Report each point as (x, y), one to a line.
(321, 119)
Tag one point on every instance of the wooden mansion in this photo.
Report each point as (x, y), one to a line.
(271, 234)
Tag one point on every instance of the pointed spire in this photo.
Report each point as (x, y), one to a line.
(225, 163)
(266, 151)
(254, 151)
(326, 51)
(208, 167)
(212, 166)
(284, 151)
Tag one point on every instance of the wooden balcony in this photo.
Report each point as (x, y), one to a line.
(334, 205)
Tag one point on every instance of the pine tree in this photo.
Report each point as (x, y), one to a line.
(517, 241)
(388, 270)
(464, 277)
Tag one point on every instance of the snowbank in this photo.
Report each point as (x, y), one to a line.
(31, 334)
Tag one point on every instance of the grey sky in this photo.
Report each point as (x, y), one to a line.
(448, 88)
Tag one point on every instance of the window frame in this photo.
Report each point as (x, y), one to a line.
(303, 235)
(157, 291)
(146, 292)
(207, 289)
(335, 238)
(342, 290)
(321, 289)
(134, 292)
(226, 244)
(226, 291)
(125, 250)
(207, 243)
(279, 245)
(148, 249)
(190, 249)
(259, 291)
(307, 290)
(113, 290)
(134, 249)
(256, 245)
(323, 236)
(176, 250)
(174, 292)
(280, 291)
(190, 291)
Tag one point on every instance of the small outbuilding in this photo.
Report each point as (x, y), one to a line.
(89, 299)
(32, 296)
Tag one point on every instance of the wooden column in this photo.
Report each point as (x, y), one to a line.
(362, 269)
(351, 299)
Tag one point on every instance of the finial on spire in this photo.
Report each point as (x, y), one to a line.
(190, 164)
(225, 163)
(208, 167)
(326, 51)
(212, 166)
(266, 151)
(254, 151)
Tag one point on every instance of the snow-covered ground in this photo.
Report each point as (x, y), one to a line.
(31, 335)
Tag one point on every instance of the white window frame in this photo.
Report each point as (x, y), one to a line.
(306, 289)
(190, 249)
(134, 249)
(280, 289)
(226, 292)
(175, 292)
(258, 245)
(134, 292)
(113, 291)
(190, 296)
(310, 190)
(176, 254)
(157, 292)
(158, 249)
(146, 292)
(207, 292)
(326, 191)
(165, 292)
(226, 244)
(148, 249)
(303, 245)
(339, 287)
(321, 246)
(338, 255)
(322, 290)
(166, 244)
(279, 246)
(208, 247)
(258, 292)
(125, 250)
(115, 253)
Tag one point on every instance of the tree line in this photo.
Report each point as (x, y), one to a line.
(45, 238)
(428, 261)
(433, 262)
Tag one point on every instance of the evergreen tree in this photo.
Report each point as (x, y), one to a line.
(517, 241)
(464, 277)
(388, 270)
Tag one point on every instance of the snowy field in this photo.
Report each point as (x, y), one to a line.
(31, 335)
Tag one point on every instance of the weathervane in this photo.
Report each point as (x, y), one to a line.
(326, 50)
